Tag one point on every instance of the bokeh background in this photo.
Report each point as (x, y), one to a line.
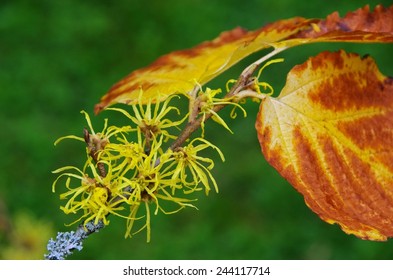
(58, 57)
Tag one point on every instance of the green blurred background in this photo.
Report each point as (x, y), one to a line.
(58, 57)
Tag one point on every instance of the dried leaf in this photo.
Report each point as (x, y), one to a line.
(330, 134)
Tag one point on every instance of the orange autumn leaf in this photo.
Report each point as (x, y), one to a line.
(330, 134)
(181, 71)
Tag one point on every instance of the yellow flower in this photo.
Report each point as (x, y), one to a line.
(96, 141)
(151, 118)
(99, 191)
(121, 175)
(96, 196)
(188, 162)
(208, 101)
(99, 134)
(124, 155)
(148, 185)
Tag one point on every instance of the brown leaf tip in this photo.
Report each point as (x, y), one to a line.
(380, 20)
